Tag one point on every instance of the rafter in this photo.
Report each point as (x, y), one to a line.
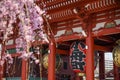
(60, 5)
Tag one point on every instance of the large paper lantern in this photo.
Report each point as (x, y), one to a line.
(116, 54)
(78, 57)
(58, 61)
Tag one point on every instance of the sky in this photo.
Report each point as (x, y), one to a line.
(108, 56)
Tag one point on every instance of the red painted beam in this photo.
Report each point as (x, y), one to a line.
(97, 33)
(15, 54)
(106, 39)
(106, 19)
(102, 48)
(69, 37)
(10, 46)
(106, 31)
(69, 17)
(65, 52)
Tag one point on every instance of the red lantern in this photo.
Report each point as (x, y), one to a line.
(78, 57)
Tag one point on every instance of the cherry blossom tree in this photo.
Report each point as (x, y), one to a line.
(28, 17)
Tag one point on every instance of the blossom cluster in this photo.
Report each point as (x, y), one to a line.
(28, 17)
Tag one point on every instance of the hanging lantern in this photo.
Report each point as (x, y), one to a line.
(58, 61)
(116, 54)
(78, 57)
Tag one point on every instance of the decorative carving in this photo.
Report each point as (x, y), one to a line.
(110, 24)
(68, 31)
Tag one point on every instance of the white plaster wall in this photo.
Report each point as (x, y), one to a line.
(117, 21)
(59, 33)
(77, 29)
(99, 25)
(10, 42)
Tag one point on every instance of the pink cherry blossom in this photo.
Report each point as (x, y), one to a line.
(30, 19)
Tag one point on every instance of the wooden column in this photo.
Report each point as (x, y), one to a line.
(101, 66)
(2, 66)
(1, 70)
(24, 70)
(51, 61)
(79, 78)
(89, 56)
(116, 73)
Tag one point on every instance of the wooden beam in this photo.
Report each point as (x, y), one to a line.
(59, 51)
(106, 31)
(98, 33)
(65, 52)
(105, 38)
(10, 46)
(74, 21)
(58, 19)
(106, 19)
(102, 48)
(69, 37)
(15, 54)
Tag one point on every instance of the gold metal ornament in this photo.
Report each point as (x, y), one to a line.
(45, 61)
(116, 54)
(58, 61)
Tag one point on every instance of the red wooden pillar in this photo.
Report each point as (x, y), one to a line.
(101, 66)
(24, 70)
(2, 66)
(90, 56)
(116, 73)
(51, 61)
(79, 78)
(1, 71)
